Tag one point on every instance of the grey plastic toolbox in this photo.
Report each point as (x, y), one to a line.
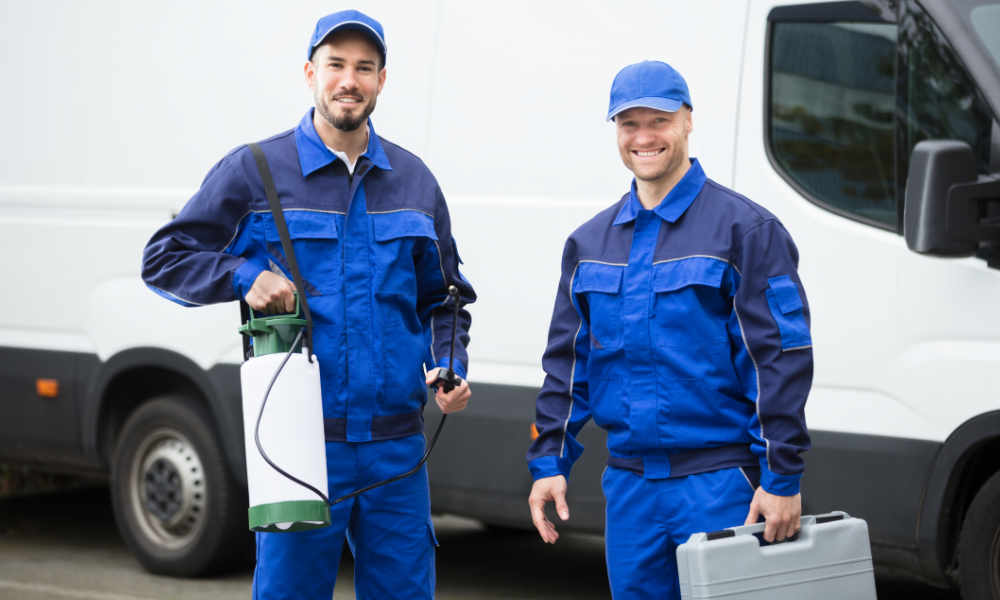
(829, 560)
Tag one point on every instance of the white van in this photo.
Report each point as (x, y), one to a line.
(113, 112)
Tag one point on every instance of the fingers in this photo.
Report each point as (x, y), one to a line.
(782, 514)
(543, 491)
(562, 509)
(432, 375)
(545, 528)
(754, 513)
(455, 400)
(271, 294)
(771, 529)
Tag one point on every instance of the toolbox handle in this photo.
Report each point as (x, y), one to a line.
(757, 529)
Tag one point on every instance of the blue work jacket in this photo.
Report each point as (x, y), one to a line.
(376, 254)
(684, 332)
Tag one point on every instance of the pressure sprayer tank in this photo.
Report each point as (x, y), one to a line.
(291, 428)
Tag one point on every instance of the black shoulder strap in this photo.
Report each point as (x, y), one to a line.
(286, 242)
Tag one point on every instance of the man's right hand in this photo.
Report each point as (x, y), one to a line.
(271, 294)
(544, 490)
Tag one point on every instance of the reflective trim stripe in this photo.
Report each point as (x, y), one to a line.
(170, 295)
(756, 375)
(236, 233)
(315, 210)
(719, 258)
(389, 212)
(807, 346)
(572, 369)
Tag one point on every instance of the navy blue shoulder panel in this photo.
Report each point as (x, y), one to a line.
(326, 189)
(600, 240)
(409, 185)
(713, 225)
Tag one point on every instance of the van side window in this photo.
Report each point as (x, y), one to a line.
(941, 102)
(830, 123)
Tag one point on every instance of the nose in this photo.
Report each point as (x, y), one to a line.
(644, 135)
(348, 80)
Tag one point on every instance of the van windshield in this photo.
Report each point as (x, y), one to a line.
(985, 20)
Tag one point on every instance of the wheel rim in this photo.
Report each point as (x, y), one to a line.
(167, 490)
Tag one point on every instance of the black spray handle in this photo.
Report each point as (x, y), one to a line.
(450, 380)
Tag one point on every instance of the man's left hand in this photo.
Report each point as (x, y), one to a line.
(781, 514)
(453, 401)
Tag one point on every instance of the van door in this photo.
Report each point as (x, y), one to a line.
(906, 347)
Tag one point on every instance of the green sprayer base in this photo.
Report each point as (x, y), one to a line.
(302, 514)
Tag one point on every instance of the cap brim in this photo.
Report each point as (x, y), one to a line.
(664, 104)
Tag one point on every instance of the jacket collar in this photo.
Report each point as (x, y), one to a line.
(674, 204)
(314, 155)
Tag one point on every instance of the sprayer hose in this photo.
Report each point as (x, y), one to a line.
(267, 459)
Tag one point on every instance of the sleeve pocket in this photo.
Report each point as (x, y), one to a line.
(787, 308)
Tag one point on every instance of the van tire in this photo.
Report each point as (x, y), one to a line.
(176, 505)
(979, 544)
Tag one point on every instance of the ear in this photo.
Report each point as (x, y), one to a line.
(688, 124)
(381, 81)
(309, 70)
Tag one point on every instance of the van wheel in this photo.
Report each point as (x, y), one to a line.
(175, 503)
(979, 544)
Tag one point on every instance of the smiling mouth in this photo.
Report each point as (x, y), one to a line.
(648, 153)
(348, 100)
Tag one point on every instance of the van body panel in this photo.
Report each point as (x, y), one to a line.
(128, 113)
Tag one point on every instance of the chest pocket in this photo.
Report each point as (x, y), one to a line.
(692, 304)
(317, 251)
(599, 286)
(404, 239)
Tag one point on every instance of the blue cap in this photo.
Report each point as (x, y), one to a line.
(348, 19)
(650, 84)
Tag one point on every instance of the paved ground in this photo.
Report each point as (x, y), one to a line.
(64, 546)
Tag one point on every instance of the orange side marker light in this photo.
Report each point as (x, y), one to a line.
(47, 388)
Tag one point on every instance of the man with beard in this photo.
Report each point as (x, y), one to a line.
(372, 236)
(681, 327)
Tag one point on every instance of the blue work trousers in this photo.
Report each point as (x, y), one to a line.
(388, 530)
(646, 519)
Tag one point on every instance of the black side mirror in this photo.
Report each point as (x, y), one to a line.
(948, 211)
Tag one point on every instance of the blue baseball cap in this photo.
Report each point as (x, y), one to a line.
(650, 84)
(347, 19)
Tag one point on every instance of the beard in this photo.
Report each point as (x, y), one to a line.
(344, 122)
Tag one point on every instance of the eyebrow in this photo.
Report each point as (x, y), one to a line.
(363, 61)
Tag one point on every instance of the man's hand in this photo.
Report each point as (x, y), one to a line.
(271, 294)
(453, 401)
(781, 514)
(544, 490)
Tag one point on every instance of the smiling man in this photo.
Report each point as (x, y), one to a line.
(681, 327)
(372, 237)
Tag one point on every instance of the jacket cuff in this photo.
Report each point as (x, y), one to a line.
(549, 466)
(459, 367)
(777, 484)
(244, 276)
